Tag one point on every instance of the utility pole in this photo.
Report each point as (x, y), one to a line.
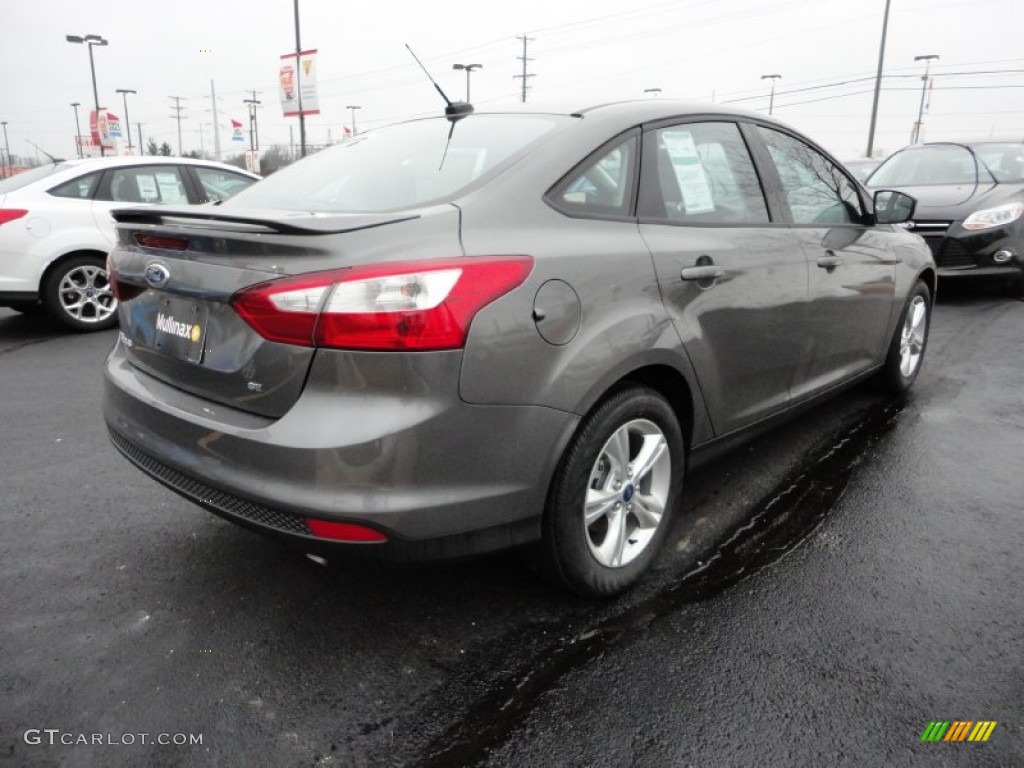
(254, 131)
(216, 123)
(878, 83)
(298, 82)
(202, 144)
(524, 58)
(177, 116)
(771, 99)
(927, 59)
(142, 147)
(469, 71)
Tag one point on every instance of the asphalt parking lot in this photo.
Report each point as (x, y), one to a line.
(851, 577)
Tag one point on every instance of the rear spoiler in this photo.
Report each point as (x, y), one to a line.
(284, 223)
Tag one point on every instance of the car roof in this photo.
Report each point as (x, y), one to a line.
(85, 163)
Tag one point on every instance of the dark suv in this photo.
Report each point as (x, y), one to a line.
(970, 204)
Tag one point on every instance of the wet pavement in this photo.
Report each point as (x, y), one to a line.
(830, 589)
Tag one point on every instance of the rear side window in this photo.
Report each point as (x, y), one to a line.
(700, 173)
(402, 166)
(81, 188)
(602, 186)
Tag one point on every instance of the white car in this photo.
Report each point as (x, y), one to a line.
(56, 228)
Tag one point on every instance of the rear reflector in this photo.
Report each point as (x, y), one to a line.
(326, 529)
(424, 305)
(10, 214)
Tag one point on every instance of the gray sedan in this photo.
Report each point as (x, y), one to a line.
(461, 334)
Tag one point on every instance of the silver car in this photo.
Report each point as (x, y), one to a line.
(462, 334)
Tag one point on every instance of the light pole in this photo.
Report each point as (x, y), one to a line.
(90, 41)
(771, 99)
(352, 108)
(78, 131)
(655, 92)
(927, 59)
(7, 149)
(128, 126)
(469, 70)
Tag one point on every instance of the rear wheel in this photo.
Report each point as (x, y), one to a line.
(78, 294)
(906, 350)
(611, 502)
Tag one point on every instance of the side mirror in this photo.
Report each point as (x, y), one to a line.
(892, 207)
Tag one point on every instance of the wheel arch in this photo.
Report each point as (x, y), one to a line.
(931, 279)
(53, 265)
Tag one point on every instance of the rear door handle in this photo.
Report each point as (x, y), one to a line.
(709, 272)
(829, 261)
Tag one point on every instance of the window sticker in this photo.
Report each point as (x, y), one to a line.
(693, 182)
(147, 188)
(170, 189)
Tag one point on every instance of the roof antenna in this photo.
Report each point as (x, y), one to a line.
(455, 110)
(52, 158)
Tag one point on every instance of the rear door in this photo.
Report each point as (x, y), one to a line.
(134, 185)
(852, 268)
(733, 277)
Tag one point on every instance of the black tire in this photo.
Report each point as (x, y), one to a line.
(80, 279)
(898, 374)
(567, 547)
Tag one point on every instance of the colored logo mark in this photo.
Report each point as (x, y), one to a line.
(958, 730)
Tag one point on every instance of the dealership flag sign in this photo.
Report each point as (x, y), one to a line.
(298, 84)
(236, 131)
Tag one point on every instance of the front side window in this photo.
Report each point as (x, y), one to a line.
(158, 184)
(817, 191)
(701, 173)
(602, 186)
(219, 184)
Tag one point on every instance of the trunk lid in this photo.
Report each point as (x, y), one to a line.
(185, 266)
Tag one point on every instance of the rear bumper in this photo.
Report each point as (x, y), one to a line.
(439, 477)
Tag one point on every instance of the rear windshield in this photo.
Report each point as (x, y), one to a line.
(402, 166)
(24, 179)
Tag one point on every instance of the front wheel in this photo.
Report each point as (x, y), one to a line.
(906, 350)
(611, 502)
(79, 295)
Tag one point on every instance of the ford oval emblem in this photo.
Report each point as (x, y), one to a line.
(157, 275)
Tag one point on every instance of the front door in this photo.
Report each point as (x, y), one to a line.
(733, 279)
(852, 268)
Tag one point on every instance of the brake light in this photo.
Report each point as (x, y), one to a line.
(10, 214)
(166, 242)
(327, 529)
(122, 291)
(426, 305)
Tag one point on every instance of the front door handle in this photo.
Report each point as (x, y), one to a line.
(829, 261)
(708, 272)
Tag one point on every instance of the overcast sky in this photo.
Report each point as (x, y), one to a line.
(583, 53)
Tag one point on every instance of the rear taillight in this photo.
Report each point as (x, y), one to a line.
(122, 291)
(426, 305)
(10, 214)
(166, 242)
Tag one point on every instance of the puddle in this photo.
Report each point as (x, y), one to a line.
(777, 526)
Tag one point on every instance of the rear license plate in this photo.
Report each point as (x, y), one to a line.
(180, 328)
